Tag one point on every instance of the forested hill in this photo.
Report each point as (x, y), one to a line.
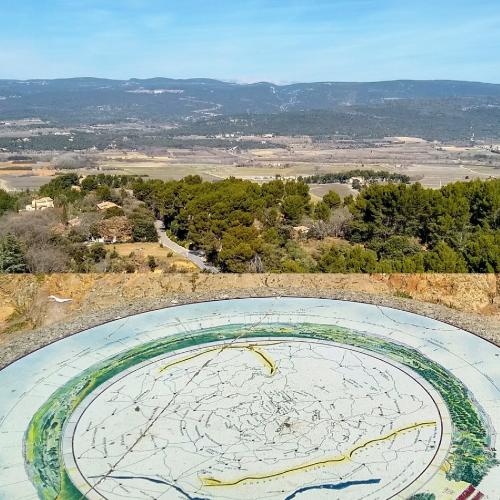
(345, 107)
(242, 226)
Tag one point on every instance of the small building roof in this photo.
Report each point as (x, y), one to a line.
(301, 229)
(105, 205)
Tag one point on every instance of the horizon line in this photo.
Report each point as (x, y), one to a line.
(249, 82)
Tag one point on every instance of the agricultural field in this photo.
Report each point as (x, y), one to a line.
(432, 164)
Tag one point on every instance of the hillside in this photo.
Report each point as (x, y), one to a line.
(453, 108)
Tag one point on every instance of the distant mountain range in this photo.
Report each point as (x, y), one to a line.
(458, 108)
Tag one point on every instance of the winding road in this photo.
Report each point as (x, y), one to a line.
(188, 254)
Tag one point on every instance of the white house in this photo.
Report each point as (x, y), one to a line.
(40, 204)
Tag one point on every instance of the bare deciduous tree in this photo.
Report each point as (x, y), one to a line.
(72, 161)
(47, 259)
(33, 228)
(334, 226)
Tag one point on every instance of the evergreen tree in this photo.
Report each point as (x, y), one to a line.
(7, 202)
(444, 259)
(322, 211)
(12, 259)
(332, 199)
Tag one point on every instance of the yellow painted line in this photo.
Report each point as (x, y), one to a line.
(446, 466)
(210, 481)
(267, 359)
(261, 355)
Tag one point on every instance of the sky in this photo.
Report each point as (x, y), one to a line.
(280, 41)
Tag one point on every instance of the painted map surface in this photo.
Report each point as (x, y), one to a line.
(278, 398)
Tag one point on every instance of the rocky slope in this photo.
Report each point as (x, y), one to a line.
(35, 310)
(25, 301)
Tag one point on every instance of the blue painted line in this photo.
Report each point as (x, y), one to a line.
(158, 481)
(338, 486)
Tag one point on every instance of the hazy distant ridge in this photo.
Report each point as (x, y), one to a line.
(460, 106)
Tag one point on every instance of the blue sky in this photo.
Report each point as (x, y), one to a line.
(252, 40)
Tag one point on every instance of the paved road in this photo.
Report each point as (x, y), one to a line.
(172, 245)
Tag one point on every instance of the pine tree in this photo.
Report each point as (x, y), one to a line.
(12, 258)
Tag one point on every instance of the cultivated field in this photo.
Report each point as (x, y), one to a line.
(430, 163)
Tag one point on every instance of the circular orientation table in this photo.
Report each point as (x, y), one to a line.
(264, 398)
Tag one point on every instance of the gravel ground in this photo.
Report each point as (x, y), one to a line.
(17, 345)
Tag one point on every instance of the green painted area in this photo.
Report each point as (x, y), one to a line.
(470, 457)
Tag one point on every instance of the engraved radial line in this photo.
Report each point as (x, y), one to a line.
(156, 418)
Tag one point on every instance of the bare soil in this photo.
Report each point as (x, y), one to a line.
(29, 319)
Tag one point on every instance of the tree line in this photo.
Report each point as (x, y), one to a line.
(387, 228)
(242, 226)
(370, 176)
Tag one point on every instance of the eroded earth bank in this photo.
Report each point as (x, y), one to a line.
(36, 310)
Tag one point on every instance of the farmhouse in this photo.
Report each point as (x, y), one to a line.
(40, 204)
